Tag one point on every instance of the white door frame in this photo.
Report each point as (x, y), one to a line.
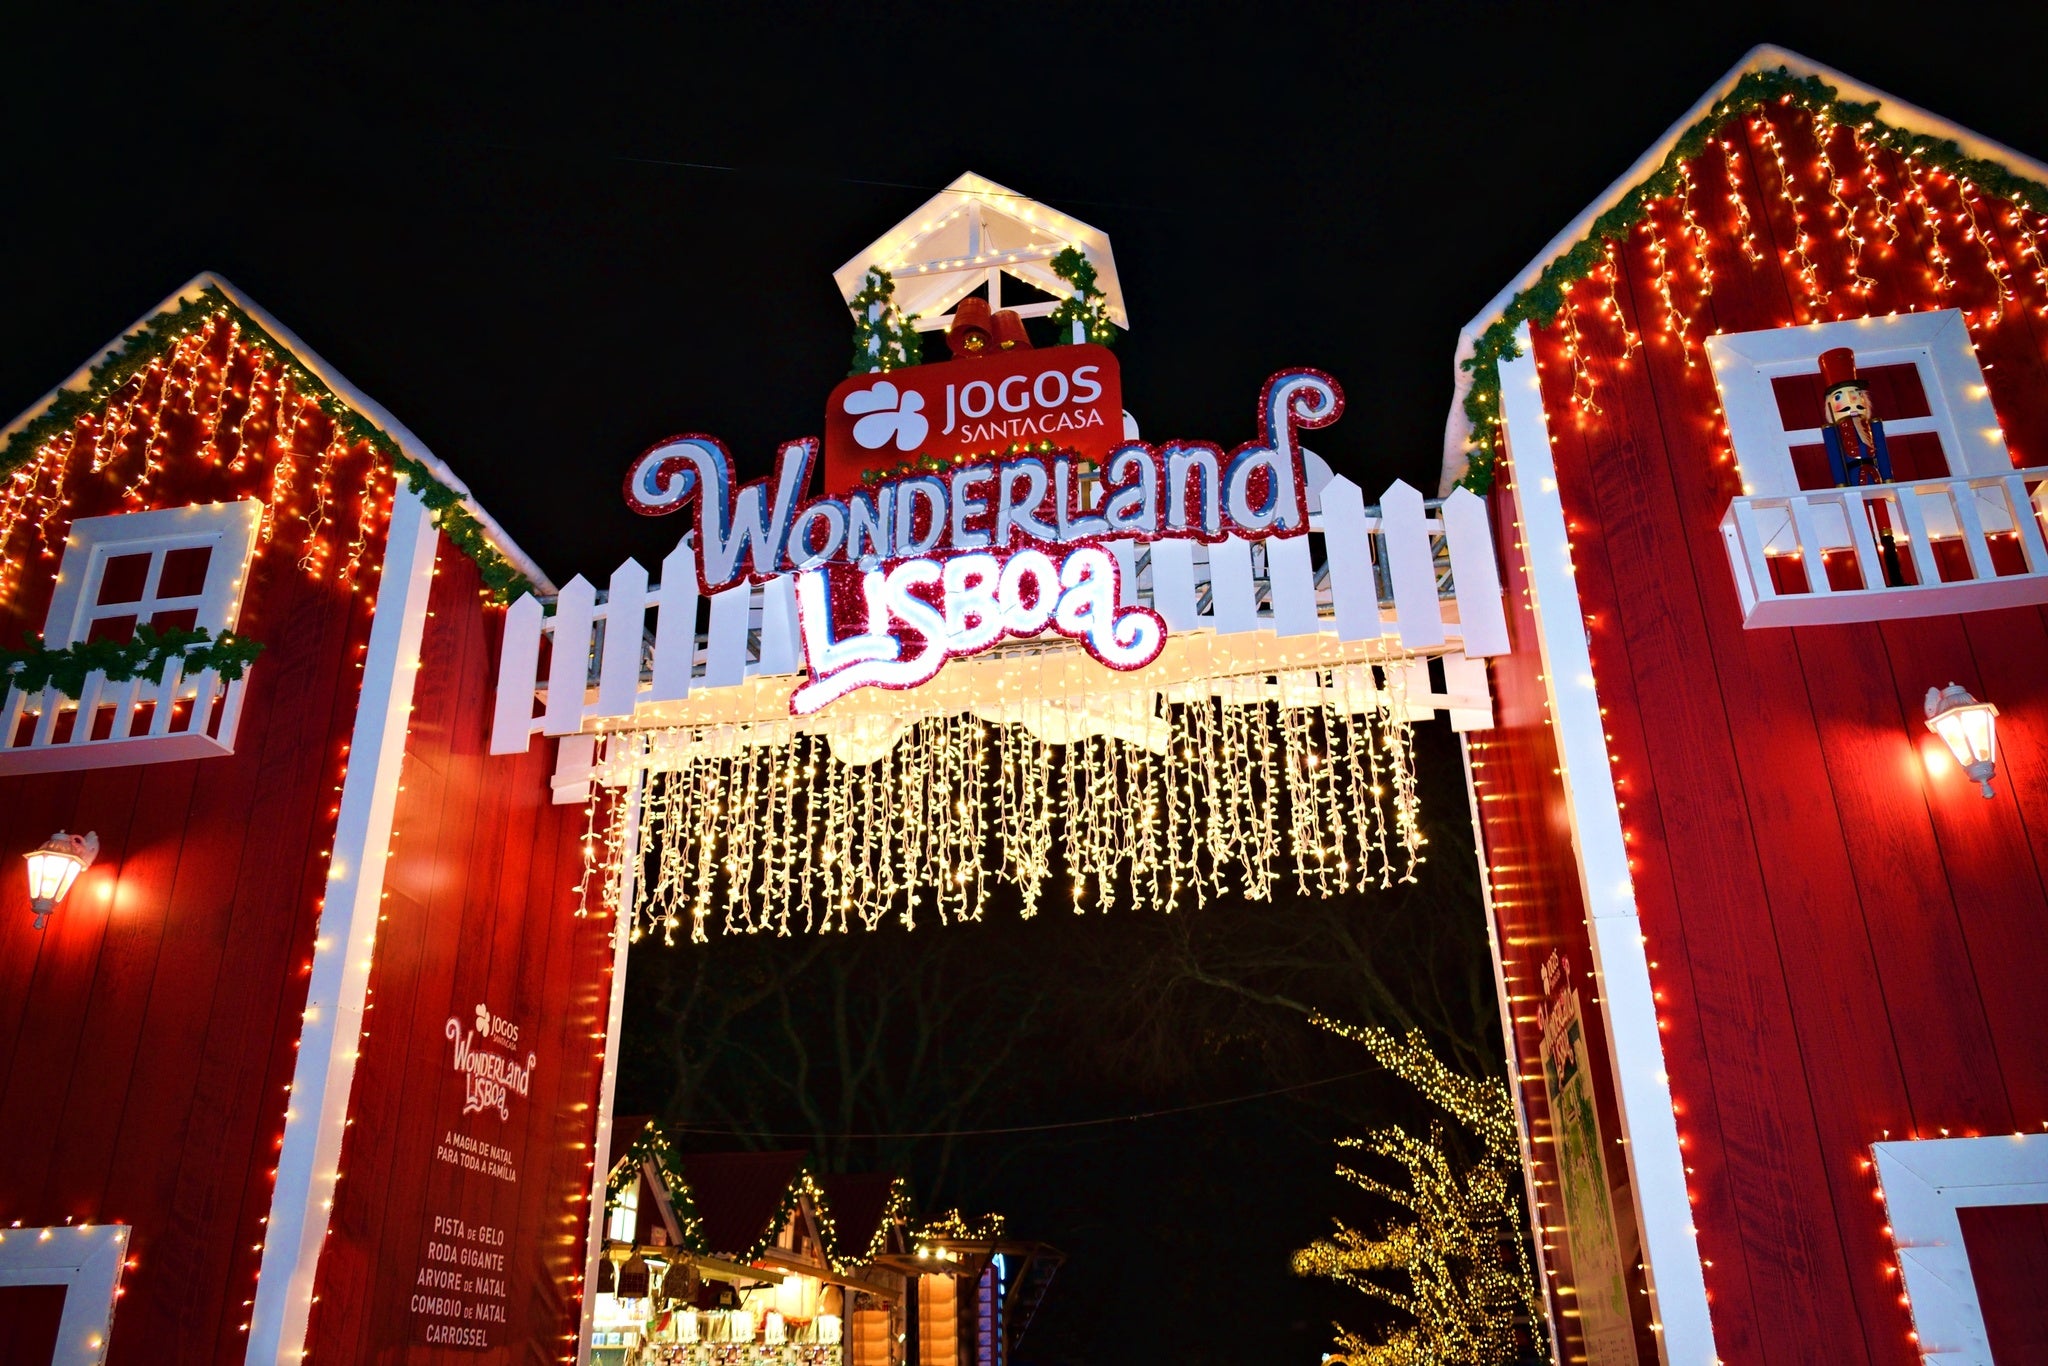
(1925, 1182)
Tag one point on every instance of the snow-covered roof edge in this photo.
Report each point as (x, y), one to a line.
(409, 444)
(1763, 57)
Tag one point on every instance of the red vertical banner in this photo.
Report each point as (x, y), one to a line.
(456, 1234)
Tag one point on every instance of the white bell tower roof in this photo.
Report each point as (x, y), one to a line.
(973, 232)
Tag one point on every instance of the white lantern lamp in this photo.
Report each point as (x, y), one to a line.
(1968, 727)
(55, 866)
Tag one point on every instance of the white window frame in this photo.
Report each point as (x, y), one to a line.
(1936, 343)
(625, 1213)
(229, 531)
(1925, 1181)
(86, 1259)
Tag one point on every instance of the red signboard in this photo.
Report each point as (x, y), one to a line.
(1071, 396)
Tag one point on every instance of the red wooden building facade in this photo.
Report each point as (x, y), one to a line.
(1770, 963)
(208, 1137)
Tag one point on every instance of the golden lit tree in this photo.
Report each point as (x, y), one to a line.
(1455, 1260)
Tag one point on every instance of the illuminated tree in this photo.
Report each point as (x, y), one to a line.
(1456, 1261)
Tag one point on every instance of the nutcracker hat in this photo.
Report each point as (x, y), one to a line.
(1838, 367)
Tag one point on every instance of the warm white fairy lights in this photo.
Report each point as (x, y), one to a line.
(1824, 130)
(1745, 224)
(1916, 195)
(1677, 323)
(1696, 233)
(1229, 783)
(1979, 231)
(1795, 204)
(1631, 340)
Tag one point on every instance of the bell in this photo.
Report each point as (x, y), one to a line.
(1010, 333)
(973, 330)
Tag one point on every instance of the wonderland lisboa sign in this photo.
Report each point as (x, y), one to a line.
(960, 552)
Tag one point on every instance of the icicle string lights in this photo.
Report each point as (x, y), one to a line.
(761, 829)
(1823, 135)
(1808, 272)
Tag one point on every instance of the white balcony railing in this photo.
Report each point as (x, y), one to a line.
(1931, 547)
(111, 724)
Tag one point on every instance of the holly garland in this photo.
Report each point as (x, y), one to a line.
(146, 656)
(841, 1257)
(651, 1145)
(1540, 304)
(500, 576)
(883, 337)
(1086, 306)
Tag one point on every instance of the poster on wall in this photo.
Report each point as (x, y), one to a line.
(459, 1284)
(1597, 1265)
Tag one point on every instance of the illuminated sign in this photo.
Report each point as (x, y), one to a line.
(894, 580)
(1071, 396)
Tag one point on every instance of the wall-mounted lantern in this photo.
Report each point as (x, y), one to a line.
(54, 866)
(1968, 727)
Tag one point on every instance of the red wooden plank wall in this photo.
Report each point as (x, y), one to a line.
(147, 1035)
(1848, 938)
(1539, 909)
(480, 910)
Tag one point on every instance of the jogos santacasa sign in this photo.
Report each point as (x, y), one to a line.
(1071, 396)
(894, 580)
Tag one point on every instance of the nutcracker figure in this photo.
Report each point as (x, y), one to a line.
(1854, 436)
(1856, 450)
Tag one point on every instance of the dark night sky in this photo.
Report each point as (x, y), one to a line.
(476, 214)
(465, 210)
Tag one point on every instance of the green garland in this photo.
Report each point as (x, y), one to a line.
(652, 1146)
(1540, 304)
(883, 338)
(1087, 306)
(842, 1258)
(141, 347)
(146, 656)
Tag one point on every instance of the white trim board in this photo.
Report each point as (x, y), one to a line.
(332, 1026)
(1925, 1181)
(1671, 1255)
(86, 1259)
(601, 1142)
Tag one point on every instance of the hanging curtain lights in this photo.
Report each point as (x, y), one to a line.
(1228, 783)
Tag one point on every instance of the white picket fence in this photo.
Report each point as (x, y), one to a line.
(1407, 554)
(183, 717)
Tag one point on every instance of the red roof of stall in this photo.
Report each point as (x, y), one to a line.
(739, 1195)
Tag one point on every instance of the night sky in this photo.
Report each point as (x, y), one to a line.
(544, 243)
